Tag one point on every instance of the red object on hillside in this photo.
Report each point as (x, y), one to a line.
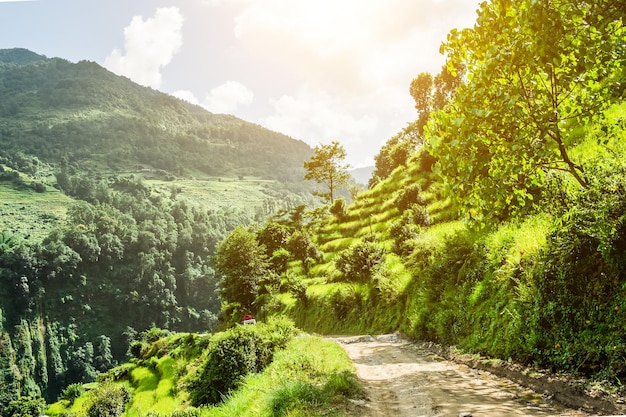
(248, 319)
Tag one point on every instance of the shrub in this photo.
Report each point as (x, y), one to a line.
(344, 300)
(339, 208)
(108, 400)
(296, 286)
(137, 349)
(71, 392)
(360, 261)
(232, 355)
(303, 249)
(280, 260)
(408, 196)
(402, 233)
(25, 407)
(153, 334)
(418, 215)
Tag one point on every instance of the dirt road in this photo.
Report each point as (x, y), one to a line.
(402, 379)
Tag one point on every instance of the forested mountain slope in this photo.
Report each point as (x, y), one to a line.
(113, 197)
(65, 112)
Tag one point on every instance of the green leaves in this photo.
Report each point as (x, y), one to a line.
(533, 69)
(326, 167)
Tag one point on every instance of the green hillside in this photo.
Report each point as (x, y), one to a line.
(113, 197)
(494, 222)
(84, 115)
(504, 233)
(261, 370)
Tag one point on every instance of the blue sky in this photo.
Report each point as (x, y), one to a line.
(316, 70)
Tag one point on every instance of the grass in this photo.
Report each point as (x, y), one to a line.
(30, 214)
(311, 377)
(219, 192)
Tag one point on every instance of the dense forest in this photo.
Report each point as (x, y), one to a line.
(113, 202)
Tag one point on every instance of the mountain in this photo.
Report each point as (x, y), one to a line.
(82, 113)
(113, 199)
(362, 175)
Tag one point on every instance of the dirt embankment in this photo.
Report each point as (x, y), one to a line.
(406, 379)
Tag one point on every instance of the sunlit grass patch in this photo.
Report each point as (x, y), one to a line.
(145, 381)
(309, 364)
(399, 275)
(338, 244)
(511, 242)
(326, 269)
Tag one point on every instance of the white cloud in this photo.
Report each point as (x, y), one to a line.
(228, 97)
(318, 116)
(149, 46)
(353, 60)
(351, 45)
(187, 96)
(225, 98)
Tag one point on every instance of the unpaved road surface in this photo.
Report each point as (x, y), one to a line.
(402, 379)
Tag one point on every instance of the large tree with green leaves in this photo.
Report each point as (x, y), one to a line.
(327, 167)
(535, 70)
(242, 263)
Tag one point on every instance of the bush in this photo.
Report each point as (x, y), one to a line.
(402, 234)
(303, 249)
(359, 262)
(409, 196)
(232, 355)
(344, 300)
(280, 260)
(339, 209)
(418, 215)
(25, 407)
(108, 400)
(71, 392)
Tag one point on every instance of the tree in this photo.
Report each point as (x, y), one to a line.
(326, 167)
(396, 152)
(534, 70)
(25, 407)
(242, 264)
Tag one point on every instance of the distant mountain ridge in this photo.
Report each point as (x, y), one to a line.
(57, 110)
(362, 175)
(19, 56)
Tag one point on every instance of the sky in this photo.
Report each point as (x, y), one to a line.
(315, 70)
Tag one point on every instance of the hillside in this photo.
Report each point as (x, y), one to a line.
(245, 371)
(504, 234)
(83, 114)
(113, 197)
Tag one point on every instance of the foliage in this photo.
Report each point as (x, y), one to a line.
(234, 354)
(432, 94)
(395, 152)
(408, 196)
(326, 167)
(338, 209)
(25, 407)
(511, 122)
(360, 261)
(108, 400)
(302, 248)
(160, 131)
(273, 236)
(71, 392)
(242, 264)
